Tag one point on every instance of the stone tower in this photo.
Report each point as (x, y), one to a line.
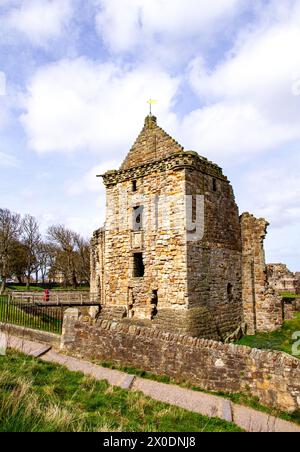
(170, 253)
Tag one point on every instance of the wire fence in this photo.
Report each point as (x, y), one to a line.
(31, 315)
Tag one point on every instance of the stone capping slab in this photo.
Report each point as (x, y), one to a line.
(198, 402)
(43, 337)
(194, 342)
(128, 382)
(226, 411)
(3, 343)
(41, 351)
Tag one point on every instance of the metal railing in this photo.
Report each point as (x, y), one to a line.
(57, 298)
(36, 311)
(31, 315)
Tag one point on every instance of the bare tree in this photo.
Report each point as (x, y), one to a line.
(18, 261)
(66, 242)
(31, 238)
(9, 233)
(83, 260)
(45, 258)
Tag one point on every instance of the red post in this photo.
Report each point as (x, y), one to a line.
(46, 295)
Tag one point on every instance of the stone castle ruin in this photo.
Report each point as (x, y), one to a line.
(174, 254)
(176, 271)
(283, 280)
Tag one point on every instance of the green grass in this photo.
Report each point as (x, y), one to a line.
(41, 397)
(278, 340)
(10, 313)
(288, 295)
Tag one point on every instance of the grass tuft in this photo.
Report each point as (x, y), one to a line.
(281, 340)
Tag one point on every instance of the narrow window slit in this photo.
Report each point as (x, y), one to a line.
(138, 265)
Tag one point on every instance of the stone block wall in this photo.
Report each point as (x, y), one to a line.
(214, 268)
(97, 265)
(281, 279)
(161, 241)
(297, 277)
(263, 307)
(273, 377)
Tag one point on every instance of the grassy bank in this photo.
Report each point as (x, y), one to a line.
(281, 339)
(36, 396)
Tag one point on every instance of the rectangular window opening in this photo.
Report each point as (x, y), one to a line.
(138, 265)
(194, 209)
(138, 218)
(215, 186)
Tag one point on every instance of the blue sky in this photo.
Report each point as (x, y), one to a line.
(78, 74)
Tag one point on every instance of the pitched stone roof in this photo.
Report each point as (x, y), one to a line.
(153, 143)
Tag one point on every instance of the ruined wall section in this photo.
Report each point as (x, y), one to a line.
(281, 279)
(97, 266)
(297, 277)
(263, 310)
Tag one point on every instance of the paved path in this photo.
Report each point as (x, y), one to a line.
(197, 402)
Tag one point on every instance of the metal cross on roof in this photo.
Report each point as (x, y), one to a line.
(151, 102)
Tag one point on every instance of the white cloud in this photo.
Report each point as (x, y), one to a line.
(83, 105)
(38, 20)
(249, 99)
(130, 23)
(83, 225)
(234, 130)
(8, 161)
(273, 191)
(2, 84)
(90, 183)
(261, 69)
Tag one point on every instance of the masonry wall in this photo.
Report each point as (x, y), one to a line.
(297, 276)
(281, 279)
(263, 308)
(273, 377)
(161, 241)
(97, 265)
(214, 269)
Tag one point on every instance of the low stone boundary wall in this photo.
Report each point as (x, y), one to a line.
(35, 335)
(273, 377)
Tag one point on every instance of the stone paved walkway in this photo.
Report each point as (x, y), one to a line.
(197, 402)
